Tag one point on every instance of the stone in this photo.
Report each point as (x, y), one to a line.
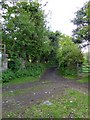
(47, 103)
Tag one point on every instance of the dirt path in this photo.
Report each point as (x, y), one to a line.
(50, 85)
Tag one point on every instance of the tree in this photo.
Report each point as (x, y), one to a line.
(53, 37)
(24, 31)
(68, 55)
(82, 20)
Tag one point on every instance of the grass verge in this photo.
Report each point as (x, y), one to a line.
(22, 80)
(73, 104)
(85, 79)
(71, 77)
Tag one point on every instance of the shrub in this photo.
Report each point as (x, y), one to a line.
(21, 73)
(7, 75)
(14, 64)
(36, 69)
(68, 55)
(33, 70)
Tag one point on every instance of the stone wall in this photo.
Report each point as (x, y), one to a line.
(4, 62)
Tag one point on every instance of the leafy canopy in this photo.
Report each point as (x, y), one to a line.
(82, 20)
(24, 30)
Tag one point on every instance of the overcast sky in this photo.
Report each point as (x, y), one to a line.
(62, 11)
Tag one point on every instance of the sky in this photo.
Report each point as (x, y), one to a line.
(62, 12)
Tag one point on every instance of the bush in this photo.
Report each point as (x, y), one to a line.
(14, 64)
(21, 73)
(33, 70)
(36, 69)
(7, 75)
(69, 56)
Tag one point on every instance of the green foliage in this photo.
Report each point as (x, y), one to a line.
(71, 77)
(87, 57)
(82, 20)
(53, 37)
(68, 71)
(8, 75)
(68, 55)
(27, 39)
(34, 70)
(24, 31)
(14, 65)
(85, 79)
